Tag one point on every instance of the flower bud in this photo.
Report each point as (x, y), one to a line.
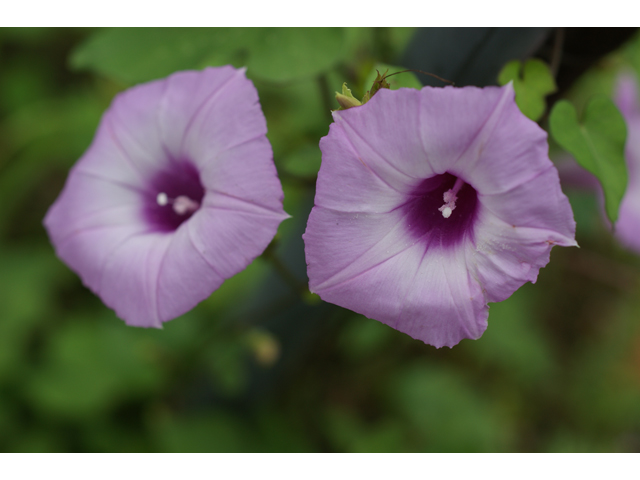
(346, 98)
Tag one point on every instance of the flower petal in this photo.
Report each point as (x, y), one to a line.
(231, 233)
(507, 256)
(340, 246)
(347, 182)
(187, 95)
(452, 119)
(185, 277)
(219, 110)
(397, 155)
(551, 211)
(494, 147)
(131, 122)
(379, 271)
(89, 219)
(627, 228)
(130, 278)
(87, 250)
(444, 303)
(254, 180)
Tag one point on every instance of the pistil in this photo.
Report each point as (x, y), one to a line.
(450, 198)
(181, 204)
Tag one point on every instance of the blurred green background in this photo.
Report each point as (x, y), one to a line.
(263, 365)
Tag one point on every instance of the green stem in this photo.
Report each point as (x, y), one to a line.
(323, 85)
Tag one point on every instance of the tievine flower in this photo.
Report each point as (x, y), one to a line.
(177, 193)
(628, 101)
(431, 203)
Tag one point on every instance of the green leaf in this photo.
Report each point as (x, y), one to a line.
(287, 54)
(597, 144)
(531, 83)
(132, 55)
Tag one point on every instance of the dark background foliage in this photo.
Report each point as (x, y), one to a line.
(263, 365)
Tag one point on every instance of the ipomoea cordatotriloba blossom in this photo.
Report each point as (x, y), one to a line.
(177, 193)
(431, 203)
(627, 98)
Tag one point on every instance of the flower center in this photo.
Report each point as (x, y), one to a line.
(448, 223)
(174, 195)
(450, 198)
(181, 205)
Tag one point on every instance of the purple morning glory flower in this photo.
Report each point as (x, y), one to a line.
(628, 225)
(431, 203)
(177, 193)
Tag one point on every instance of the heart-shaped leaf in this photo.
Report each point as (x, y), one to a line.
(597, 144)
(531, 83)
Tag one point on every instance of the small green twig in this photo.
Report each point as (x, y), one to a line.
(298, 286)
(325, 93)
(556, 55)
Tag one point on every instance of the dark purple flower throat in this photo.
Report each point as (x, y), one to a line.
(173, 196)
(442, 210)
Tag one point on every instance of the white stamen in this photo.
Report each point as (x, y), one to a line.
(162, 199)
(450, 198)
(183, 204)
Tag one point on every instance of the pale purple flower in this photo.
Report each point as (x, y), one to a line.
(627, 228)
(177, 193)
(431, 203)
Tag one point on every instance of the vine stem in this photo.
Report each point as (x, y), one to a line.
(556, 55)
(323, 85)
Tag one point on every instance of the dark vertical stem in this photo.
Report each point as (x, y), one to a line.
(323, 85)
(556, 55)
(298, 286)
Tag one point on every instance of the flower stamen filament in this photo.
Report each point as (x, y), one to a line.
(181, 204)
(450, 198)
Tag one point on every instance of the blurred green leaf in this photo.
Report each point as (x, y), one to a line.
(213, 431)
(43, 138)
(399, 37)
(349, 433)
(227, 361)
(287, 54)
(363, 336)
(101, 434)
(279, 433)
(132, 55)
(531, 84)
(30, 280)
(604, 392)
(90, 367)
(597, 144)
(38, 440)
(295, 115)
(8, 421)
(513, 342)
(304, 162)
(447, 412)
(565, 441)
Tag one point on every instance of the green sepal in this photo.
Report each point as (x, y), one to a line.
(346, 98)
